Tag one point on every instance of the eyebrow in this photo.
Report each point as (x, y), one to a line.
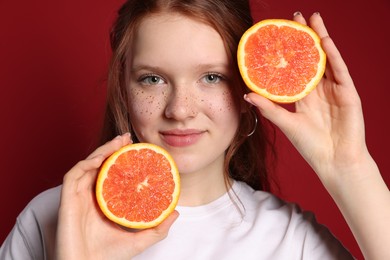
(143, 67)
(206, 66)
(201, 66)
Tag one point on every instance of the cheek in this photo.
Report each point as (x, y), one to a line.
(222, 103)
(229, 102)
(144, 106)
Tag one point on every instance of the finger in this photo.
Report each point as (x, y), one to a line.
(84, 166)
(298, 17)
(87, 179)
(338, 70)
(338, 67)
(270, 110)
(86, 170)
(83, 174)
(112, 146)
(316, 21)
(328, 74)
(317, 24)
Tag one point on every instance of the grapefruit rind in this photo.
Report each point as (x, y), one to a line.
(241, 53)
(102, 175)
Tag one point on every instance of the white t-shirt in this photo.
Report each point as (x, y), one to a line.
(257, 226)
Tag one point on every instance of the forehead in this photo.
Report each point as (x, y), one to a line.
(167, 34)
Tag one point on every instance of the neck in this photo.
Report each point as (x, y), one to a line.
(201, 188)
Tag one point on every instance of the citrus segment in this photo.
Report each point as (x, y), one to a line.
(281, 59)
(138, 186)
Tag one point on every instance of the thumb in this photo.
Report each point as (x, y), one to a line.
(164, 227)
(149, 237)
(275, 113)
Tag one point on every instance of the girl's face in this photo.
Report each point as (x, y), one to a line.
(179, 79)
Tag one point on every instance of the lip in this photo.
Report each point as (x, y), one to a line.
(181, 137)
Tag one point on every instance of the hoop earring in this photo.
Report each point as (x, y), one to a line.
(132, 134)
(255, 124)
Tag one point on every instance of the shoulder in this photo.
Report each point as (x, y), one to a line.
(45, 200)
(33, 235)
(292, 227)
(265, 207)
(255, 200)
(41, 213)
(42, 209)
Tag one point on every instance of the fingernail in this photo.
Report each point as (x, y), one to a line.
(128, 134)
(317, 13)
(247, 99)
(297, 13)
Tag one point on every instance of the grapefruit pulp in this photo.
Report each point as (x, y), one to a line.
(138, 186)
(281, 60)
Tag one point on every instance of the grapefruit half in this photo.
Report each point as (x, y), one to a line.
(281, 60)
(138, 186)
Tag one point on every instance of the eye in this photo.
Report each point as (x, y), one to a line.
(213, 78)
(151, 80)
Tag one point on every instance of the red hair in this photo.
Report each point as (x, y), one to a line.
(246, 158)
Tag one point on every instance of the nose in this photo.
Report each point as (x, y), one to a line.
(181, 104)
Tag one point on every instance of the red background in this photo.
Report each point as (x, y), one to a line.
(53, 63)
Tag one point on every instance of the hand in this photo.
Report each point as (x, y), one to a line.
(83, 232)
(327, 126)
